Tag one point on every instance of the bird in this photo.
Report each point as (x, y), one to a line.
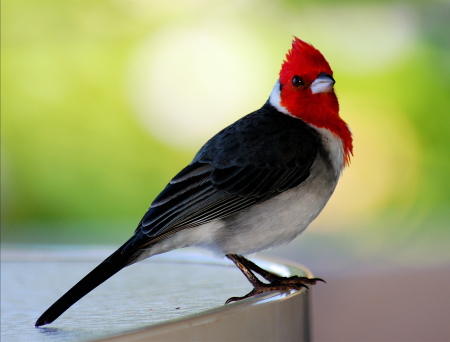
(256, 184)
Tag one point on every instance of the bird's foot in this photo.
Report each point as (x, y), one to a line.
(278, 284)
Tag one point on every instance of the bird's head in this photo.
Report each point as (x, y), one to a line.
(305, 90)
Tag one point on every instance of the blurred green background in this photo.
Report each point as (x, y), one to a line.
(104, 101)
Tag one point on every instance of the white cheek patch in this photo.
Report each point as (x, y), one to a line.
(275, 99)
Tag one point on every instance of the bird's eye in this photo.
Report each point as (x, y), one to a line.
(297, 81)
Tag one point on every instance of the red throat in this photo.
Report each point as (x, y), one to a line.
(320, 110)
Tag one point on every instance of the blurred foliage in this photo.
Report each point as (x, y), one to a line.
(79, 156)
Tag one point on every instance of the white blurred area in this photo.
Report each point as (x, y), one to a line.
(190, 80)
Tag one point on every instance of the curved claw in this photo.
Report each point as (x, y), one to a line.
(233, 299)
(310, 281)
(248, 295)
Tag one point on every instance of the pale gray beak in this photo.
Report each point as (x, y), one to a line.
(322, 84)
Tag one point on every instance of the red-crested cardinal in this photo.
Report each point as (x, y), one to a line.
(256, 184)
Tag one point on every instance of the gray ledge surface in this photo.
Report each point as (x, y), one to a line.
(177, 296)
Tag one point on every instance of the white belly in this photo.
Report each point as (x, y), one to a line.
(279, 220)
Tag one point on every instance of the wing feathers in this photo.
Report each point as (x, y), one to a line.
(219, 183)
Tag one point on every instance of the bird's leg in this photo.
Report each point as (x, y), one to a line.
(277, 283)
(276, 279)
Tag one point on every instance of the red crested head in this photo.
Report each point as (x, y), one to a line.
(306, 91)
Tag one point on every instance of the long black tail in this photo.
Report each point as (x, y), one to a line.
(98, 275)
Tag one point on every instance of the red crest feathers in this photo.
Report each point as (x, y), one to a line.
(303, 58)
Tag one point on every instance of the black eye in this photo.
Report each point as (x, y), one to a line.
(297, 81)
